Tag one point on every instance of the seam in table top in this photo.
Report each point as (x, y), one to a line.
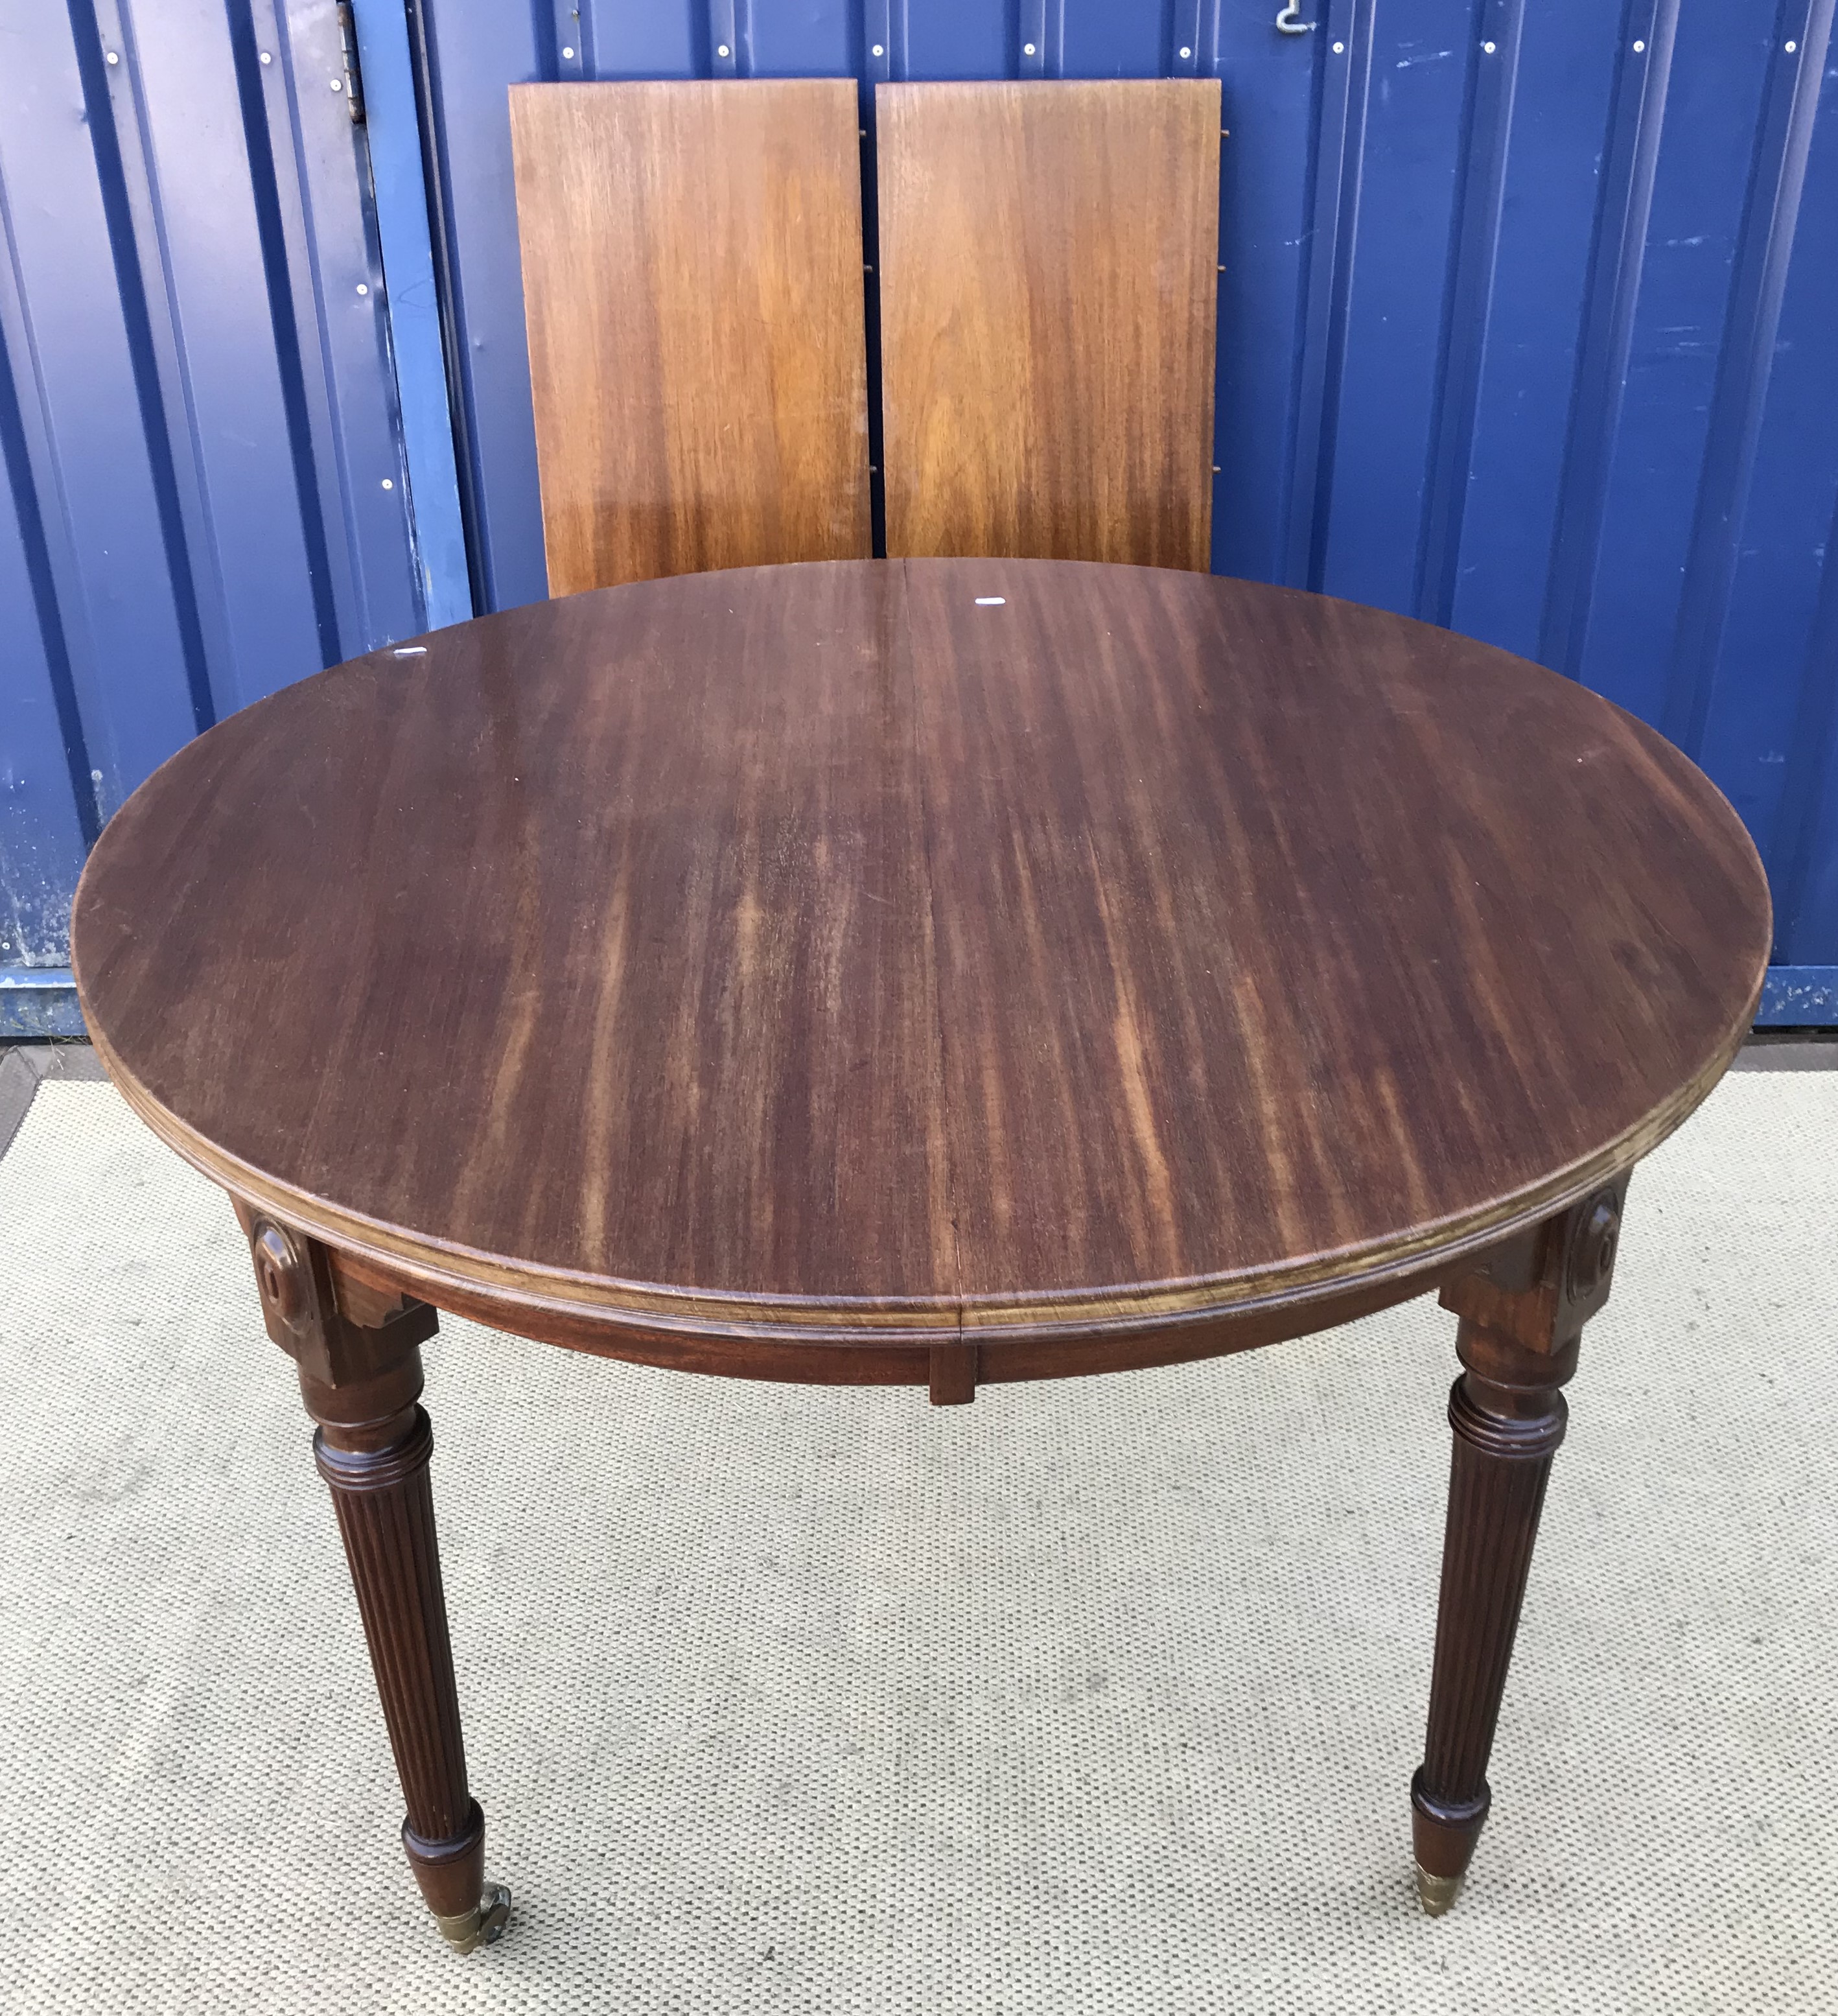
(903, 647)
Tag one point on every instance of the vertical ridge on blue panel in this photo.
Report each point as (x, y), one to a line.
(726, 34)
(36, 579)
(1269, 113)
(1468, 303)
(571, 41)
(878, 18)
(1614, 284)
(1812, 781)
(191, 188)
(1782, 143)
(872, 27)
(465, 57)
(428, 115)
(109, 97)
(75, 379)
(404, 223)
(1344, 64)
(1031, 38)
(142, 237)
(1186, 56)
(294, 279)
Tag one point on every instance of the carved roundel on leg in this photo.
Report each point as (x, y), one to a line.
(279, 1271)
(1592, 1246)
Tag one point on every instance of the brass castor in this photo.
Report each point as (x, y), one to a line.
(1435, 1893)
(465, 1931)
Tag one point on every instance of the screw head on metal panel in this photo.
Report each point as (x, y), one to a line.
(387, 483)
(1339, 48)
(878, 50)
(568, 55)
(1026, 49)
(1488, 47)
(1791, 47)
(114, 55)
(363, 289)
(1185, 54)
(337, 84)
(268, 56)
(721, 49)
(1640, 48)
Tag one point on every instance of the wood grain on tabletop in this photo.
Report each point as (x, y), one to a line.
(822, 950)
(1048, 294)
(693, 287)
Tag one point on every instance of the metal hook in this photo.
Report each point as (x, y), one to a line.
(1289, 21)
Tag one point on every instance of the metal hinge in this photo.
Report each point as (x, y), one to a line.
(354, 76)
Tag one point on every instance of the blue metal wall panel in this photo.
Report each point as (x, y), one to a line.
(333, 272)
(188, 191)
(470, 54)
(37, 1002)
(1528, 321)
(1798, 997)
(1416, 61)
(82, 383)
(417, 339)
(1560, 87)
(958, 38)
(820, 39)
(1714, 89)
(1766, 738)
(206, 494)
(1265, 203)
(43, 833)
(664, 39)
(1099, 38)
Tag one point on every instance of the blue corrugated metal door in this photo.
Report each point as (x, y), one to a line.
(1528, 324)
(206, 490)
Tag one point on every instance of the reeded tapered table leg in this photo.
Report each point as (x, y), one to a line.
(361, 1381)
(1508, 1417)
(372, 1446)
(1521, 1320)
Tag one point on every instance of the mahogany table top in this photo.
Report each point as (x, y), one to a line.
(871, 950)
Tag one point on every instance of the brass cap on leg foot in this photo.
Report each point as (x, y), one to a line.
(1443, 1832)
(1437, 1893)
(465, 1931)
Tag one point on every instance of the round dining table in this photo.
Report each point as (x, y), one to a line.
(934, 974)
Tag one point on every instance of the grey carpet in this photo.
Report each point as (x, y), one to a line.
(1099, 1696)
